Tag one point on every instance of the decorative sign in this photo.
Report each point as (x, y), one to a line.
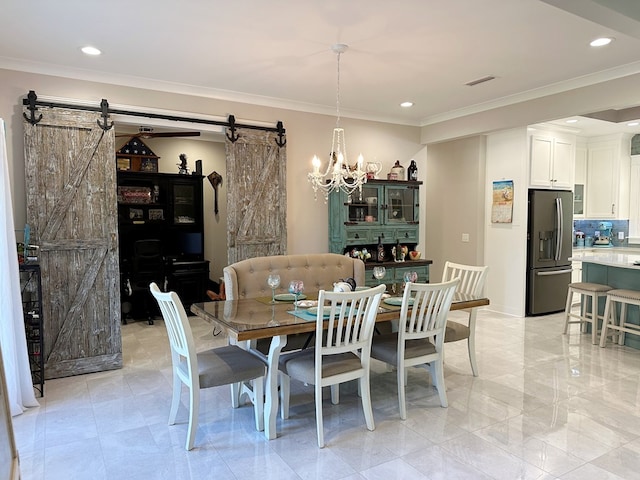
(502, 205)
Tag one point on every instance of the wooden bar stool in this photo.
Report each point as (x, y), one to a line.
(586, 290)
(624, 298)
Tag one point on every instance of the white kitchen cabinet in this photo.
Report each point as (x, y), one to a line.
(608, 171)
(551, 162)
(580, 182)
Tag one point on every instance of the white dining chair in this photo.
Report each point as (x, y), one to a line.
(472, 280)
(211, 368)
(420, 337)
(344, 328)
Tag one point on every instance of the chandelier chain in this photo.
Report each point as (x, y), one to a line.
(338, 92)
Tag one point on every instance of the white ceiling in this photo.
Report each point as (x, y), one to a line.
(277, 52)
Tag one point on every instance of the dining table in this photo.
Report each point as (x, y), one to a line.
(247, 320)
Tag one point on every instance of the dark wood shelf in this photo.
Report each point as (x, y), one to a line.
(177, 196)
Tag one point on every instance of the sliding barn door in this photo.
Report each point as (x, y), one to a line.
(256, 196)
(72, 211)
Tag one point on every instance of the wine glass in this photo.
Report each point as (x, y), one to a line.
(273, 280)
(410, 277)
(379, 273)
(296, 287)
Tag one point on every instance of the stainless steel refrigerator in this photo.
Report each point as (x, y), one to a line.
(549, 246)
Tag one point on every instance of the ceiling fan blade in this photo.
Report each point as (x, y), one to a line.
(131, 135)
(171, 134)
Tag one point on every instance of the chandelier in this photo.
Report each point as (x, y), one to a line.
(338, 174)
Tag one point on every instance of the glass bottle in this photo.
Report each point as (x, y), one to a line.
(380, 256)
(412, 171)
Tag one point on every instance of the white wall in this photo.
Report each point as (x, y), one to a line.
(506, 243)
(611, 94)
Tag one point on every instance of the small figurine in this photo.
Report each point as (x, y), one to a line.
(183, 170)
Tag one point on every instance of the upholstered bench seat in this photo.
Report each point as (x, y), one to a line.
(318, 271)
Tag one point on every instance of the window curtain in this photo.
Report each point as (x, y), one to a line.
(12, 334)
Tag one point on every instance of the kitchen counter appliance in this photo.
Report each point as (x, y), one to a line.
(603, 235)
(549, 246)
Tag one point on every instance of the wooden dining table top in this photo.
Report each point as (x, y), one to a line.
(254, 318)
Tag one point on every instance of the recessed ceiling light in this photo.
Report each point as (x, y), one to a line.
(90, 51)
(600, 42)
(406, 104)
(633, 124)
(573, 120)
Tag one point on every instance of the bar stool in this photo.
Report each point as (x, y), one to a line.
(624, 298)
(592, 290)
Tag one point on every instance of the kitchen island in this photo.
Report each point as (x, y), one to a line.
(616, 268)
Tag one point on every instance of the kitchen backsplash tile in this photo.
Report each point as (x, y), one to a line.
(589, 227)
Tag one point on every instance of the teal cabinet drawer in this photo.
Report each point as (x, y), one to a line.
(386, 235)
(395, 274)
(357, 235)
(407, 234)
(422, 271)
(371, 281)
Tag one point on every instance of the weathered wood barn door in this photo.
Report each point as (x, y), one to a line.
(256, 196)
(72, 211)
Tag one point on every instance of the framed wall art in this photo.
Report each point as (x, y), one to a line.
(502, 203)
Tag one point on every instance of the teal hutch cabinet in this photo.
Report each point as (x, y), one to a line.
(386, 211)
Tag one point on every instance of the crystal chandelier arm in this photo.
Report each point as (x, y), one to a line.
(339, 175)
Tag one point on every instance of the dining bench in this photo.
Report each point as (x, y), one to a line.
(318, 271)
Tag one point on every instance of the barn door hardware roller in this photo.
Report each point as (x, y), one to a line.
(31, 98)
(104, 108)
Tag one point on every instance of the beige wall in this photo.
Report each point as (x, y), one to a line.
(455, 203)
(307, 134)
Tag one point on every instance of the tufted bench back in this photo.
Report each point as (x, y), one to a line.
(248, 278)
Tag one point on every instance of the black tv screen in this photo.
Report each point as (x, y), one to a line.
(190, 244)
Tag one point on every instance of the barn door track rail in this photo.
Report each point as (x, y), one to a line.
(32, 103)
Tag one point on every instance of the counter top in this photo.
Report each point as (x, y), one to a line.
(612, 257)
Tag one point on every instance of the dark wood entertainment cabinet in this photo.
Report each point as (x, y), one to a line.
(167, 207)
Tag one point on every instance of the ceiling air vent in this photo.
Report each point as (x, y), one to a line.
(473, 83)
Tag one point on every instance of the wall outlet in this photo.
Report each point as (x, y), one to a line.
(620, 235)
(465, 237)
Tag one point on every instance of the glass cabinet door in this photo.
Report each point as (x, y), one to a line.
(365, 207)
(401, 205)
(184, 204)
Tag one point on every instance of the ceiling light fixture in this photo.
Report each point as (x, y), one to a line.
(90, 50)
(338, 175)
(601, 42)
(406, 104)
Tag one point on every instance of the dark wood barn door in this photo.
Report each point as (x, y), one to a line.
(72, 211)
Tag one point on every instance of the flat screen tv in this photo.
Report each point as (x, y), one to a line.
(190, 245)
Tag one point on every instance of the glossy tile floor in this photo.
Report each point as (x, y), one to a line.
(545, 406)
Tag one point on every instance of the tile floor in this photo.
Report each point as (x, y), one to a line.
(545, 406)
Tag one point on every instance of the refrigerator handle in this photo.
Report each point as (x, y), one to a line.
(559, 223)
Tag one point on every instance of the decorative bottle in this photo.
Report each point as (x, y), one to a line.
(412, 171)
(380, 255)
